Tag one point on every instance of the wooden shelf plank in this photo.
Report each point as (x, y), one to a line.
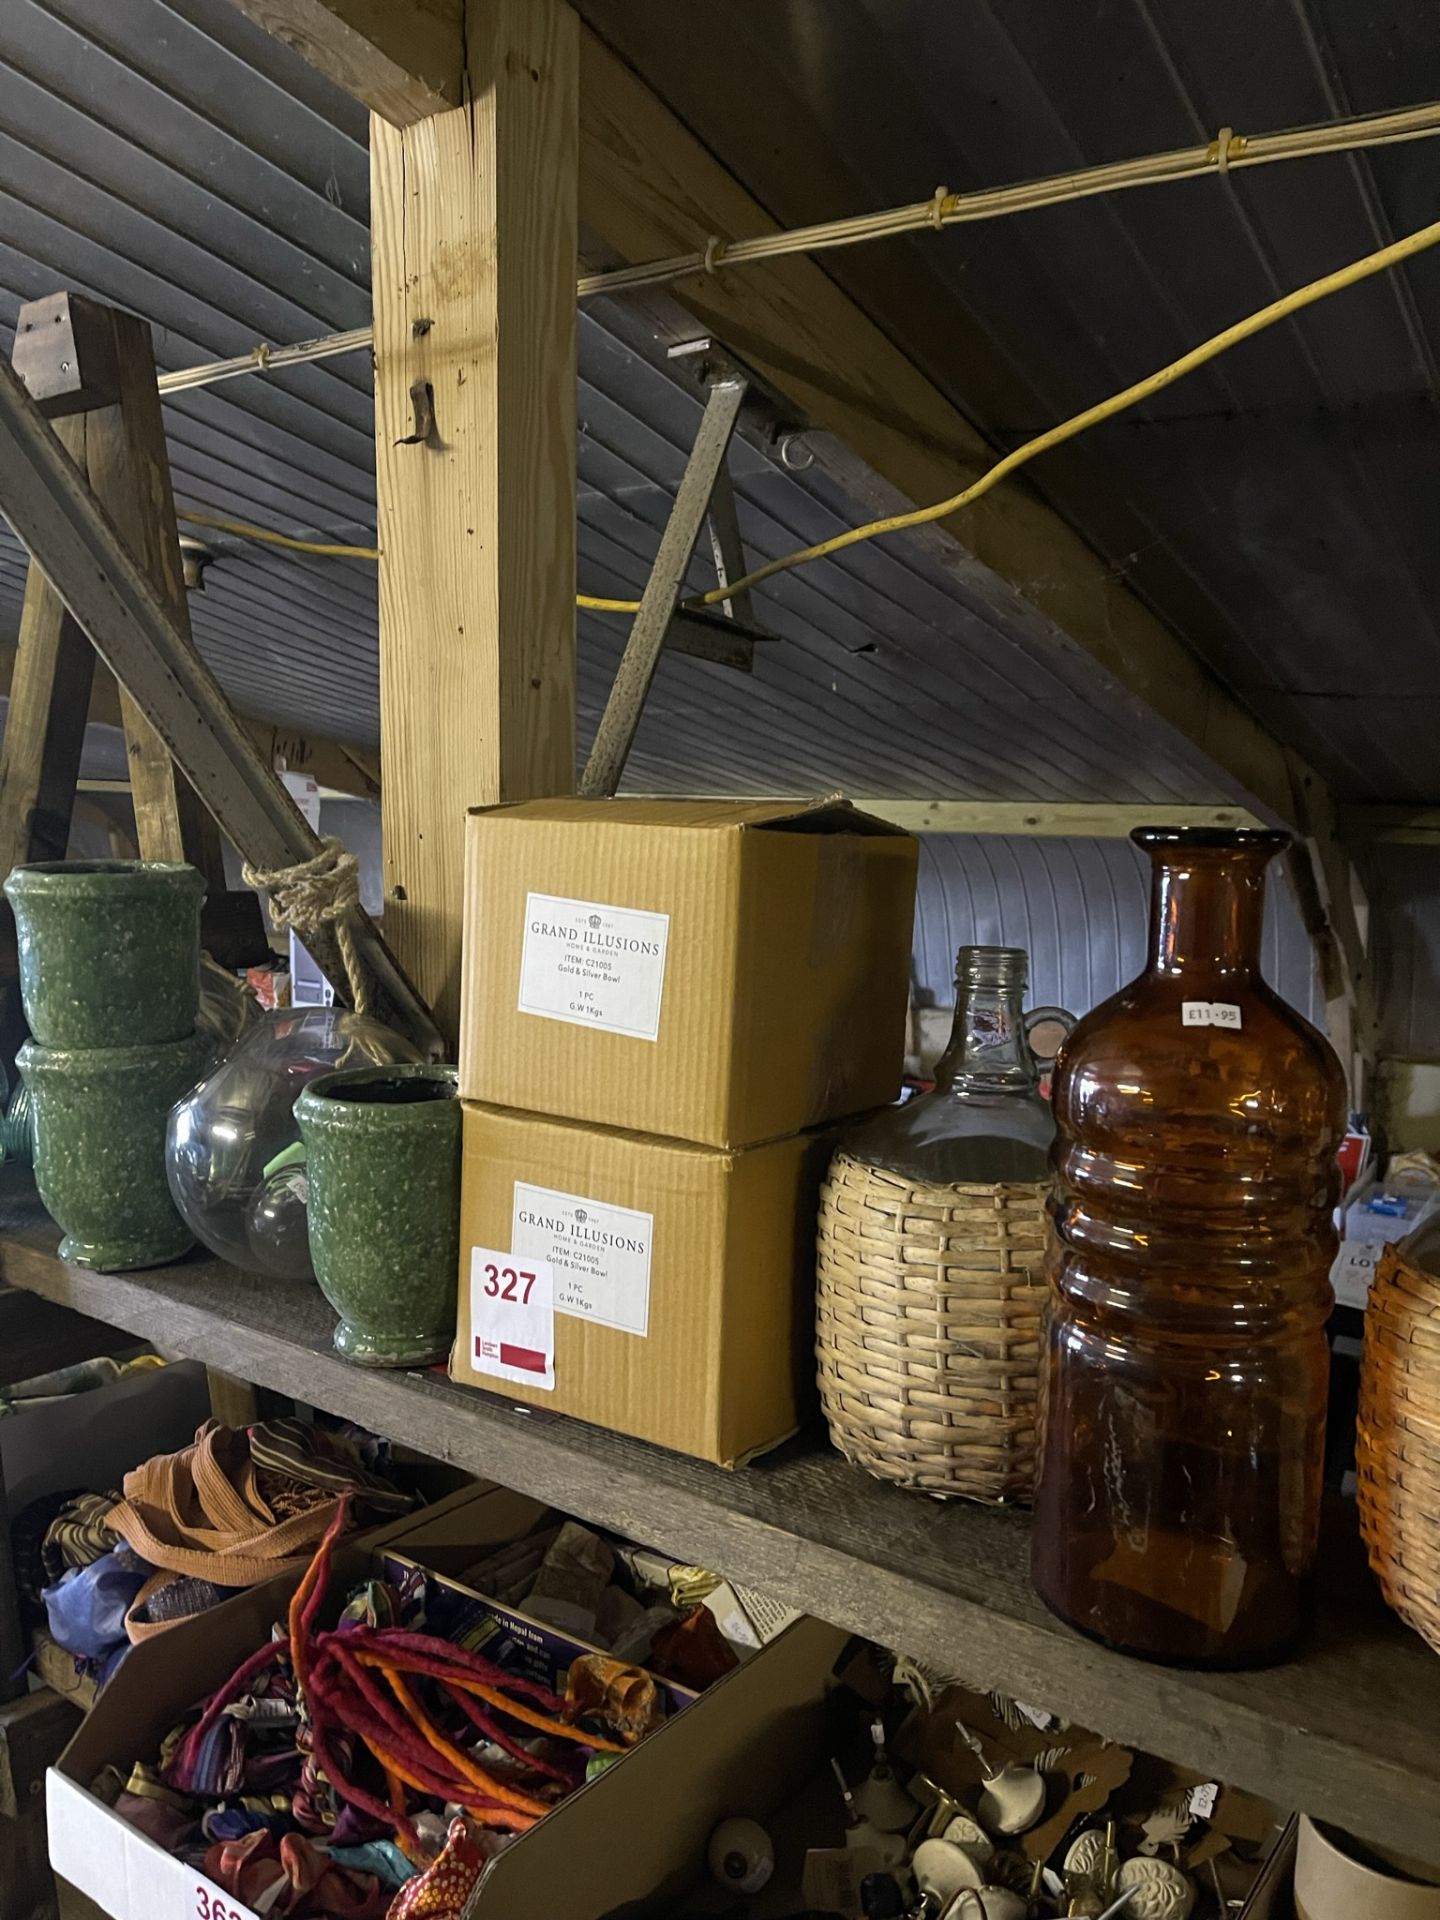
(1346, 1731)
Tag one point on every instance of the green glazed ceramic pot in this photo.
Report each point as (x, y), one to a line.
(109, 950)
(100, 1116)
(382, 1148)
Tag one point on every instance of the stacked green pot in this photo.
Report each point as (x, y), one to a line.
(382, 1149)
(110, 979)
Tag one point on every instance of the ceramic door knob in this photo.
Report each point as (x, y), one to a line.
(986, 1903)
(943, 1869)
(1157, 1890)
(971, 1837)
(1013, 1800)
(741, 1855)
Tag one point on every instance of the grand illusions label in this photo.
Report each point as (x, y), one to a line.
(600, 1254)
(593, 965)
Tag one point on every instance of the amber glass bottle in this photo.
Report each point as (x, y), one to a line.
(1184, 1370)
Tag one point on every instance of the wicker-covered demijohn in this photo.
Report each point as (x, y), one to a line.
(1397, 1452)
(929, 1304)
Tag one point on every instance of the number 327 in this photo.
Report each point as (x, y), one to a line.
(494, 1290)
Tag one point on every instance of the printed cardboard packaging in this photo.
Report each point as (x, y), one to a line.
(683, 1277)
(716, 971)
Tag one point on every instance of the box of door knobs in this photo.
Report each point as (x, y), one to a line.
(950, 1804)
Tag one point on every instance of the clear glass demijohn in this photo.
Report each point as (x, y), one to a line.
(985, 1122)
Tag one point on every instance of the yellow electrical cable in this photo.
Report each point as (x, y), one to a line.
(247, 532)
(1281, 309)
(1210, 349)
(595, 604)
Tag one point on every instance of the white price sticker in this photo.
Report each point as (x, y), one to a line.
(1210, 1013)
(512, 1318)
(1037, 1716)
(203, 1900)
(1203, 1800)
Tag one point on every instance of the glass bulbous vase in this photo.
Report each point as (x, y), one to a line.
(234, 1157)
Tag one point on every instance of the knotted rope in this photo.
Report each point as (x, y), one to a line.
(318, 893)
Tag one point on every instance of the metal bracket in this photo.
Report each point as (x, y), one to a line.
(65, 353)
(728, 637)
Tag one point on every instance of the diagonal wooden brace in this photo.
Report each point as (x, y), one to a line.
(67, 532)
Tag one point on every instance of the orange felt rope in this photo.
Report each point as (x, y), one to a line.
(477, 1776)
(394, 1793)
(495, 1698)
(514, 1817)
(528, 1715)
(317, 1570)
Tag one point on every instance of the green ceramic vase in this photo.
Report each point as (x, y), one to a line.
(109, 950)
(382, 1149)
(100, 1116)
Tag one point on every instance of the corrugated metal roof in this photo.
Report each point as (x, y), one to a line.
(168, 156)
(1404, 886)
(1081, 910)
(1276, 508)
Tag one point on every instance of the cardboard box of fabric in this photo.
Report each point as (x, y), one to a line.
(637, 1830)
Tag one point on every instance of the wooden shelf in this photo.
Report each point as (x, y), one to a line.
(1347, 1731)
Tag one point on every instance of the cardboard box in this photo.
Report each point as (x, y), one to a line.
(637, 1831)
(454, 1536)
(708, 970)
(682, 1278)
(509, 1636)
(1273, 1895)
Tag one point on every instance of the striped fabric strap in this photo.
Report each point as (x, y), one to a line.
(325, 1460)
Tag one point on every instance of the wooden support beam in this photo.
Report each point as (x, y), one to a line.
(1337, 916)
(58, 520)
(234, 1403)
(1390, 826)
(330, 763)
(1078, 820)
(129, 471)
(405, 59)
(45, 722)
(474, 238)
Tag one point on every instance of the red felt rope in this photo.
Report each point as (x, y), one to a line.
(492, 1730)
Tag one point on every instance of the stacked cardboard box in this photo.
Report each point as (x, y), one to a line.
(667, 1006)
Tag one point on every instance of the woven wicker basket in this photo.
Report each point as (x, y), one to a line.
(929, 1310)
(1397, 1453)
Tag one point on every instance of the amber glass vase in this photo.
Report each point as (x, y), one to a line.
(1184, 1370)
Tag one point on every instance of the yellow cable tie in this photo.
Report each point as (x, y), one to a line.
(1227, 146)
(938, 207)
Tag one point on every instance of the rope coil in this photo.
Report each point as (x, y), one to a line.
(321, 892)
